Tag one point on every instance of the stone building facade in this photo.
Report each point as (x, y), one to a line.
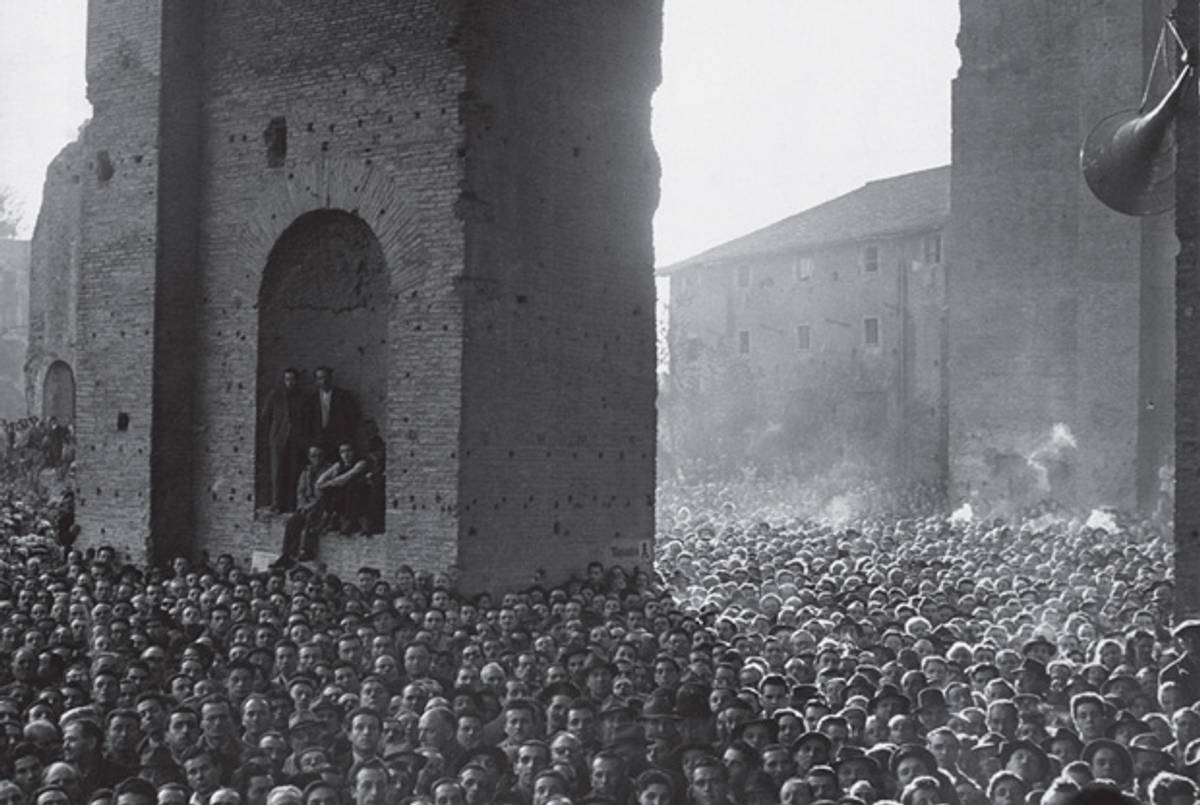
(447, 201)
(816, 342)
(1061, 310)
(14, 324)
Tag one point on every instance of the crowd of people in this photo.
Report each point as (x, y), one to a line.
(896, 656)
(31, 444)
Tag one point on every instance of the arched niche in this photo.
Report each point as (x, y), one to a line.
(58, 393)
(324, 301)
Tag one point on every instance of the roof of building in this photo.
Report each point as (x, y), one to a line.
(907, 203)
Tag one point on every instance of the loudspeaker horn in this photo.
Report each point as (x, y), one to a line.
(1128, 159)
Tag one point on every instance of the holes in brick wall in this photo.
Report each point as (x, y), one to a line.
(275, 138)
(104, 166)
(122, 422)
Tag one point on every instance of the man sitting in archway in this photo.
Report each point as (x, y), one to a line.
(304, 526)
(343, 488)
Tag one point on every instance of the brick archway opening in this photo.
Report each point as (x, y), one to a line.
(323, 301)
(58, 393)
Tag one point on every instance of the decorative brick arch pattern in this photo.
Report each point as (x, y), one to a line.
(356, 187)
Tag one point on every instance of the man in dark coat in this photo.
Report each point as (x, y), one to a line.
(283, 420)
(1185, 671)
(331, 414)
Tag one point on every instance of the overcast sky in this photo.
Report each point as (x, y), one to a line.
(767, 107)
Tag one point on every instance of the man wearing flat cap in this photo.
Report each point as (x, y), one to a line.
(1185, 671)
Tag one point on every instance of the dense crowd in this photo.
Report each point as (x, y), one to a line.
(32, 444)
(887, 657)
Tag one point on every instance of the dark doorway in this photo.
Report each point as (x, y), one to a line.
(58, 393)
(324, 301)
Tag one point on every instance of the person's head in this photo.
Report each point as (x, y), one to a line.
(654, 787)
(1006, 788)
(1168, 788)
(13, 794)
(532, 757)
(81, 741)
(136, 791)
(369, 782)
(447, 791)
(66, 777)
(708, 783)
(924, 790)
(290, 378)
(366, 731)
(478, 784)
(201, 770)
(323, 376)
(607, 773)
(549, 784)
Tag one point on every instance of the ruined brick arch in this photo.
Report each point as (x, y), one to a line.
(58, 392)
(336, 245)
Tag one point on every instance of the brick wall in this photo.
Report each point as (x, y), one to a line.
(501, 158)
(117, 278)
(557, 443)
(1044, 301)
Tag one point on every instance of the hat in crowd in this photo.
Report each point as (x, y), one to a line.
(889, 692)
(304, 719)
(1148, 743)
(1063, 734)
(659, 706)
(812, 736)
(1039, 754)
(912, 751)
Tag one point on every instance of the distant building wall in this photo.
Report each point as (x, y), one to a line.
(54, 273)
(1060, 309)
(14, 325)
(802, 360)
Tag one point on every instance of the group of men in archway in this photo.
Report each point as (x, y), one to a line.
(318, 474)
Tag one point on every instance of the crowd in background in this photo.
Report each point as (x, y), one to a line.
(32, 444)
(881, 654)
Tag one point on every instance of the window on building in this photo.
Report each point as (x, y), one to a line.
(871, 258)
(743, 342)
(933, 249)
(804, 337)
(871, 331)
(802, 269)
(743, 276)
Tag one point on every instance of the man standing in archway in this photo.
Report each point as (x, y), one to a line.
(332, 414)
(283, 419)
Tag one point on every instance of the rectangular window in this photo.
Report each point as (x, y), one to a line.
(871, 332)
(743, 342)
(743, 276)
(933, 249)
(804, 337)
(871, 258)
(802, 269)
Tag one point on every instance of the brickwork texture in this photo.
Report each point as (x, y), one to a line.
(1059, 307)
(450, 202)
